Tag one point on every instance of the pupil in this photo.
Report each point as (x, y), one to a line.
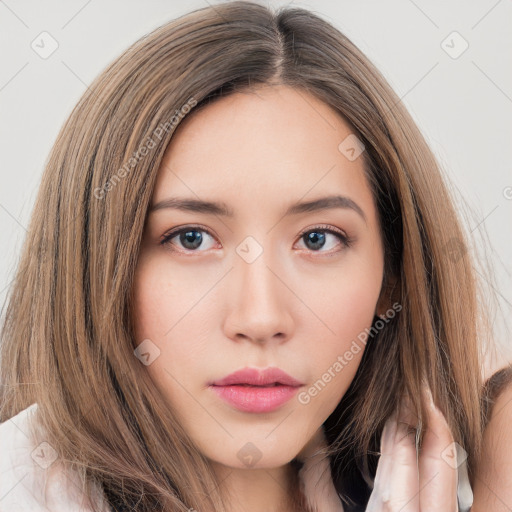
(192, 237)
(314, 237)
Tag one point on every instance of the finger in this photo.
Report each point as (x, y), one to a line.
(379, 493)
(437, 463)
(396, 483)
(404, 480)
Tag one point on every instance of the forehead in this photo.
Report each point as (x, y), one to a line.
(269, 144)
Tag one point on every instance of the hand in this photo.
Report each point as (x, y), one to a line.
(315, 476)
(407, 483)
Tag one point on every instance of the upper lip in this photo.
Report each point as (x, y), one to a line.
(258, 377)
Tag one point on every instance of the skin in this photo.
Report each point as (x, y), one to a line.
(208, 311)
(493, 480)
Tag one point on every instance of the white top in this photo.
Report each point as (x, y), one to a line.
(33, 478)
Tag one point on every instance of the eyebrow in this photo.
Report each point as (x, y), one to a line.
(220, 208)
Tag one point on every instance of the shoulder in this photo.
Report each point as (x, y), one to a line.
(15, 465)
(493, 478)
(32, 477)
(497, 385)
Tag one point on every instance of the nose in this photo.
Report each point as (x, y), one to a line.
(258, 303)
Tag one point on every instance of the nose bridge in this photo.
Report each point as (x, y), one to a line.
(258, 309)
(252, 267)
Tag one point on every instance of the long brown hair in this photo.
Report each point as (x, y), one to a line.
(67, 340)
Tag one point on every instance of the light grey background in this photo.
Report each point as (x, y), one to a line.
(462, 103)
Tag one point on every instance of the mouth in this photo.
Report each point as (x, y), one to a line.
(256, 390)
(243, 384)
(257, 377)
(252, 398)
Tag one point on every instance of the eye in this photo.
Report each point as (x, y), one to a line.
(190, 237)
(315, 238)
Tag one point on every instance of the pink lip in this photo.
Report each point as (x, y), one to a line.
(244, 389)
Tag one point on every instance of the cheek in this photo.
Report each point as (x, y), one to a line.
(170, 323)
(333, 367)
(345, 302)
(161, 298)
(345, 306)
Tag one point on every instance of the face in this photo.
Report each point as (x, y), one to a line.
(264, 286)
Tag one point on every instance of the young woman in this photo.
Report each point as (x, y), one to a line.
(240, 288)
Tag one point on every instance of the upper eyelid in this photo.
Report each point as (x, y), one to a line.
(177, 230)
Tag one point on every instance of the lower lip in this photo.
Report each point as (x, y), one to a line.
(255, 399)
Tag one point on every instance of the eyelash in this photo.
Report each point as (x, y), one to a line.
(345, 240)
